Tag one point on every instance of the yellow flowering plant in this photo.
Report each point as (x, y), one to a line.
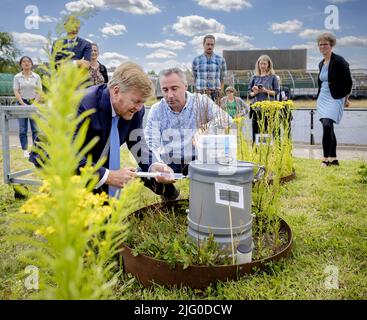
(73, 234)
(274, 151)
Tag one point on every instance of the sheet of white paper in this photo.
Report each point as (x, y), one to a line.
(232, 188)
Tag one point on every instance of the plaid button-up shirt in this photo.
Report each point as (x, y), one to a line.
(209, 72)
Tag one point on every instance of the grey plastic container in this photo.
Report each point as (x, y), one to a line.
(207, 216)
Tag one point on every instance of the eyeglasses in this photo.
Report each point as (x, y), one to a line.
(324, 44)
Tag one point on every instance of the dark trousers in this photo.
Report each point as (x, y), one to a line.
(167, 190)
(286, 116)
(328, 138)
(23, 129)
(255, 115)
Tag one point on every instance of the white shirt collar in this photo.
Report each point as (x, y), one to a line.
(31, 75)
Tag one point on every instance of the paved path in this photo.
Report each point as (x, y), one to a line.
(345, 152)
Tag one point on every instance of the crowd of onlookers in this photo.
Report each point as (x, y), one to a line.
(124, 94)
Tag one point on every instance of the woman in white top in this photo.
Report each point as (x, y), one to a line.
(27, 86)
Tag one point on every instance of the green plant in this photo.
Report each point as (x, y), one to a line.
(74, 235)
(362, 171)
(163, 235)
(9, 52)
(274, 152)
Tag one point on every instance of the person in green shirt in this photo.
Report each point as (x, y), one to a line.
(233, 105)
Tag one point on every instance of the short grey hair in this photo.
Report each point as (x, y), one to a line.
(169, 71)
(327, 36)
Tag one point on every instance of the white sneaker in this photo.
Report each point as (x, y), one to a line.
(26, 153)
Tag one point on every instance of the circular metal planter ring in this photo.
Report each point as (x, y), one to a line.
(288, 178)
(149, 270)
(284, 179)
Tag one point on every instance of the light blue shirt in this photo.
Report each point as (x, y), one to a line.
(169, 134)
(327, 106)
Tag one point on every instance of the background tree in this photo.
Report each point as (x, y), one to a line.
(8, 53)
(152, 73)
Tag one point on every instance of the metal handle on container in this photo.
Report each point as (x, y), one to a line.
(260, 172)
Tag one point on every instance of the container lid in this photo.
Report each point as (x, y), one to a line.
(198, 169)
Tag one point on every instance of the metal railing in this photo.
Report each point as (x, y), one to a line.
(7, 113)
(312, 121)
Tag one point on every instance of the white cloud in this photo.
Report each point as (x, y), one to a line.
(133, 6)
(129, 6)
(311, 33)
(40, 19)
(225, 42)
(161, 54)
(288, 26)
(308, 46)
(193, 25)
(31, 44)
(166, 44)
(352, 41)
(224, 5)
(110, 29)
(82, 5)
(159, 66)
(30, 40)
(113, 59)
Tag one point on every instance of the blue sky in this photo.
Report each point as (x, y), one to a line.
(162, 33)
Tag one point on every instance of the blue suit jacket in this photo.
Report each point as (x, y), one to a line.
(81, 49)
(98, 98)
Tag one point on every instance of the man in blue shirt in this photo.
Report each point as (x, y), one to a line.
(209, 70)
(175, 122)
(78, 49)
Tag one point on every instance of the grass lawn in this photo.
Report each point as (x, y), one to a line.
(326, 209)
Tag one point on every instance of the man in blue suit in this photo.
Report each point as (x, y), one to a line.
(122, 100)
(78, 49)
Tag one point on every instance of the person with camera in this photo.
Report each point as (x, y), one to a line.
(263, 86)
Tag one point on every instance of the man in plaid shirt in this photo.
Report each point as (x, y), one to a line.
(209, 70)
